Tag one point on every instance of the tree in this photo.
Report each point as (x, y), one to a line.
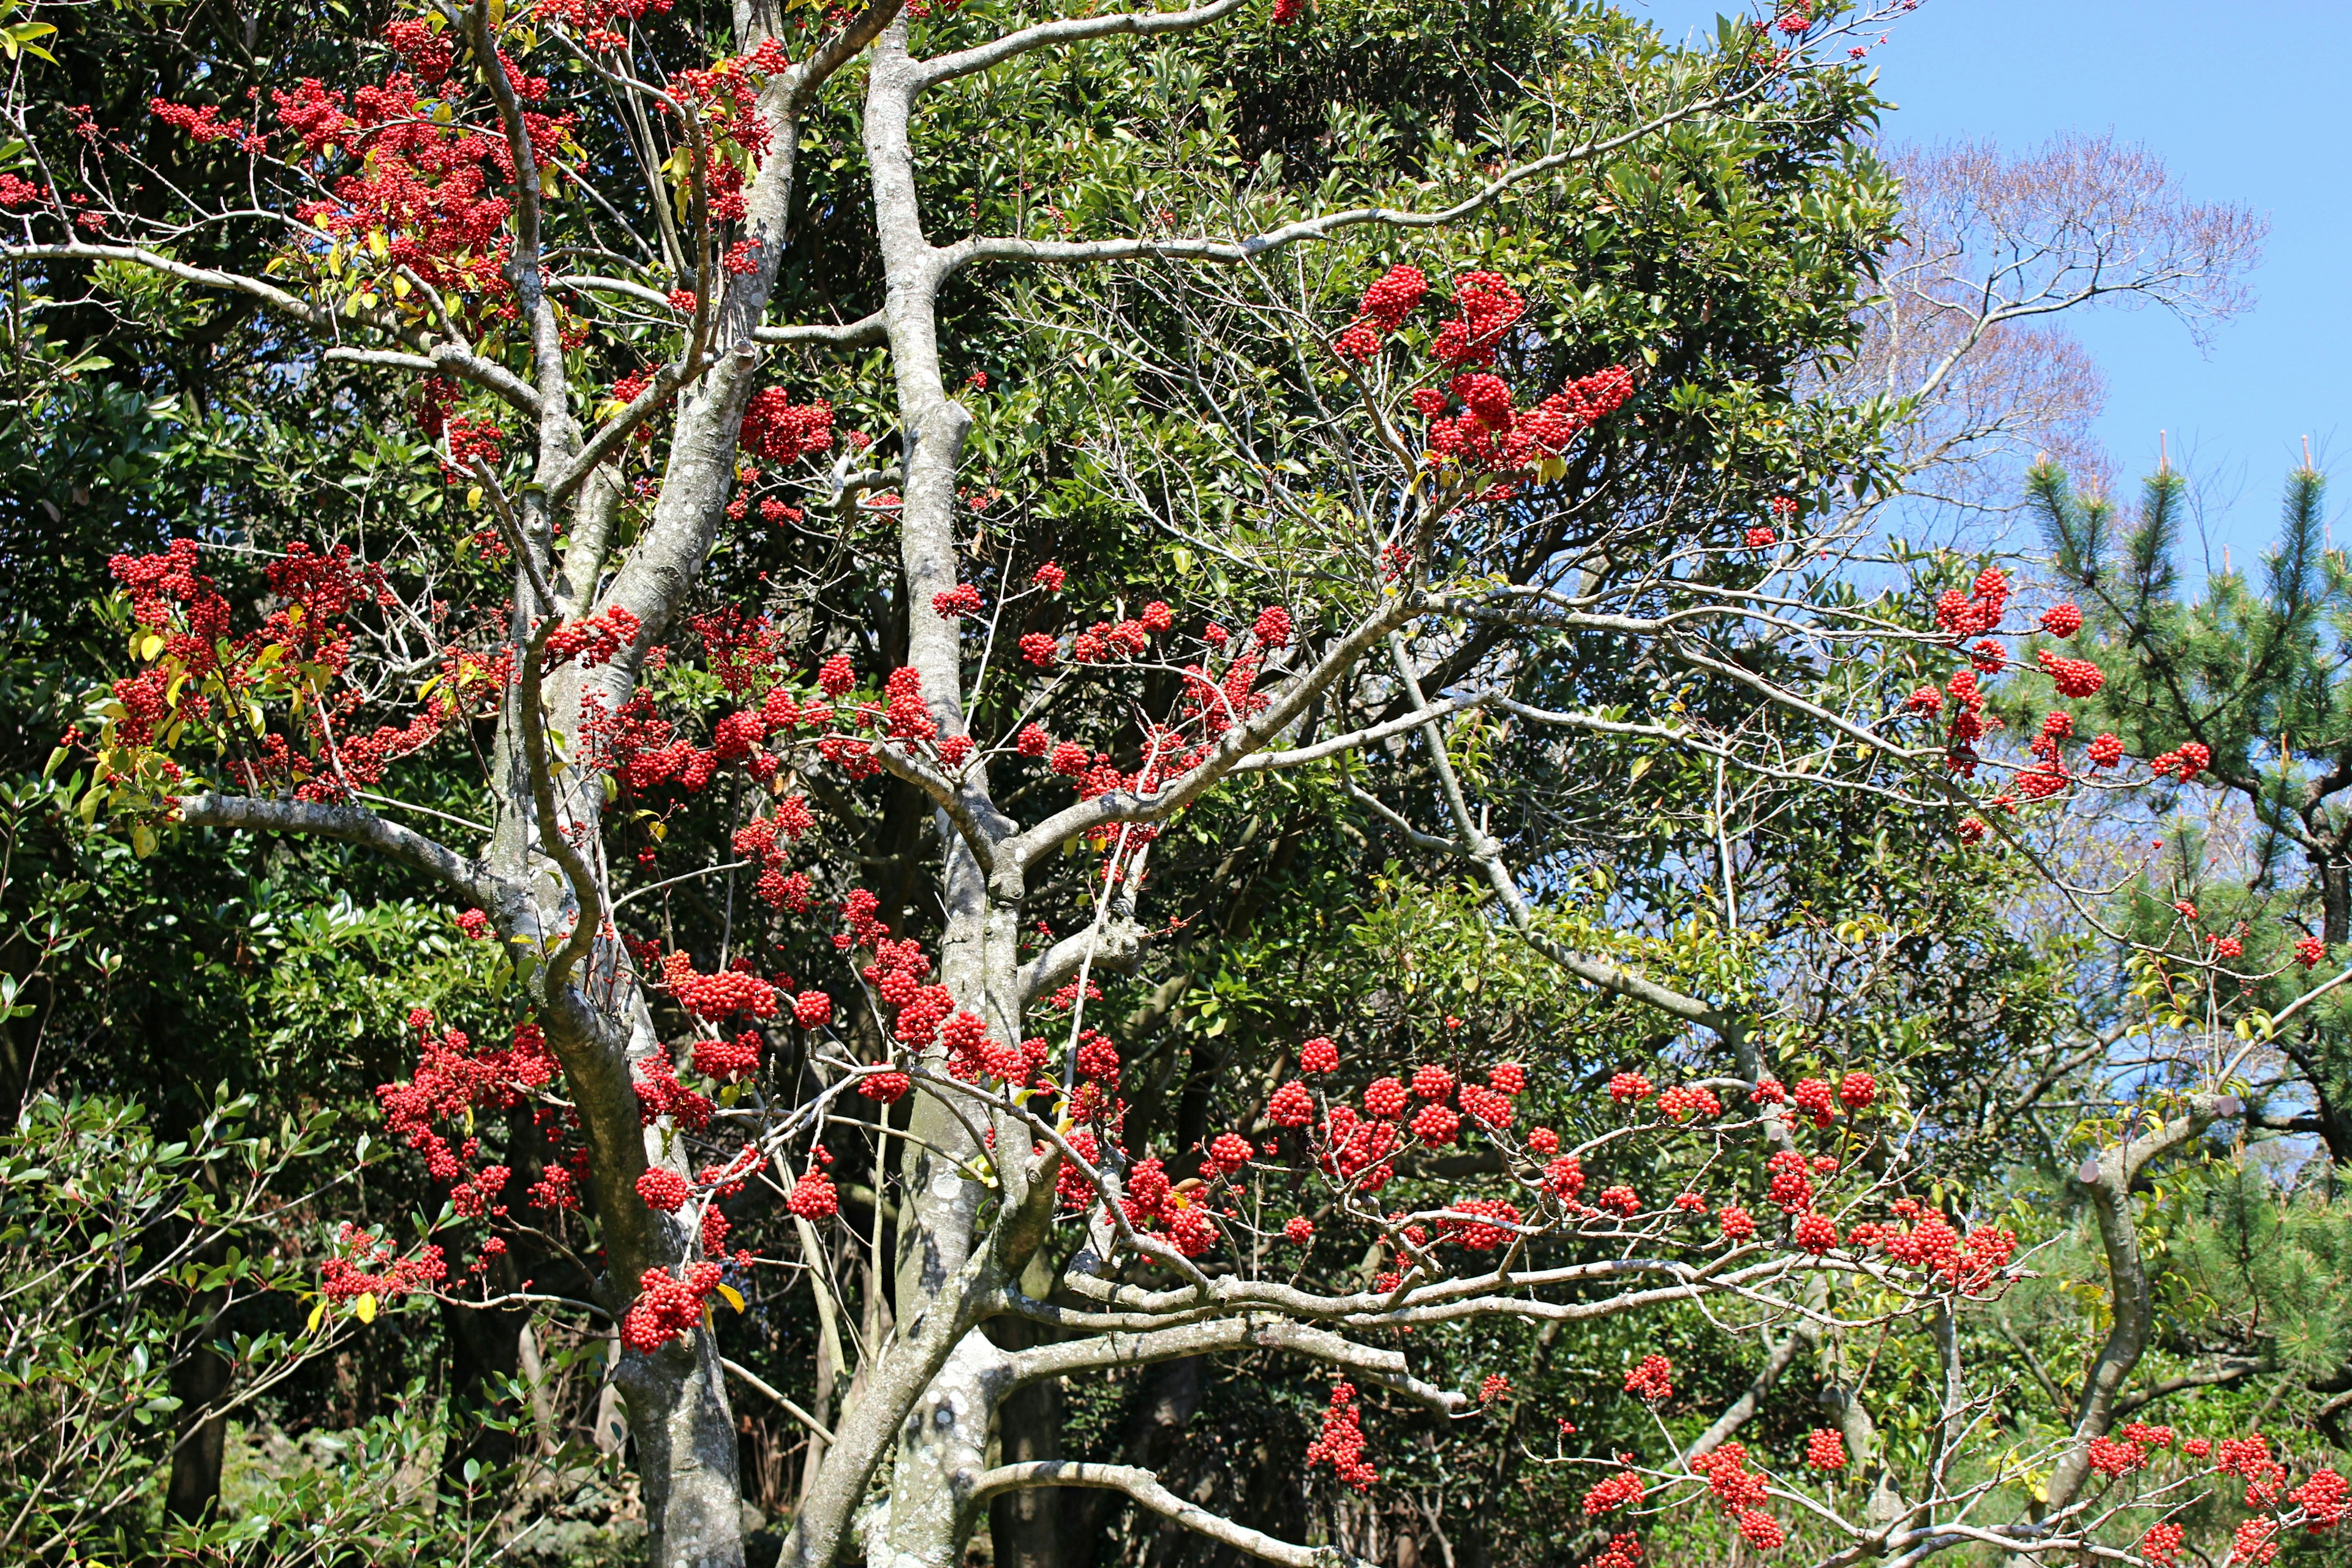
(1994, 250)
(2238, 688)
(460, 227)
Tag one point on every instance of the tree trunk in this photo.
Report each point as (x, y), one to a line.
(1025, 1527)
(202, 1440)
(685, 1436)
(1162, 1409)
(200, 1443)
(942, 1451)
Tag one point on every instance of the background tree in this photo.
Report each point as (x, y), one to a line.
(2240, 687)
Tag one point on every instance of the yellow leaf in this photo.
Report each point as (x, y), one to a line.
(376, 245)
(364, 1307)
(498, 12)
(317, 1312)
(149, 647)
(142, 840)
(733, 1299)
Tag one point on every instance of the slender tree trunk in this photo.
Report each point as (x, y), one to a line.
(201, 1444)
(485, 1347)
(1164, 1408)
(1025, 1527)
(199, 1441)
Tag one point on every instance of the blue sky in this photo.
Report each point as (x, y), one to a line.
(2246, 100)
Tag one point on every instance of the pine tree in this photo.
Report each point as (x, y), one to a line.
(2261, 677)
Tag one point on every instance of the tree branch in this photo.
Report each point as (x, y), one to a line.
(1145, 1488)
(350, 825)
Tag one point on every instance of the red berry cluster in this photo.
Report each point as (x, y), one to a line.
(777, 430)
(668, 1306)
(1341, 1446)
(1979, 611)
(593, 639)
(1623, 1489)
(1652, 1378)
(963, 599)
(2193, 758)
(659, 1095)
(363, 1271)
(726, 1061)
(1741, 1492)
(2072, 677)
(813, 1197)
(663, 1190)
(721, 996)
(1158, 1210)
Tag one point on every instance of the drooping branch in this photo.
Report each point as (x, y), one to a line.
(1075, 30)
(1258, 1331)
(1144, 1487)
